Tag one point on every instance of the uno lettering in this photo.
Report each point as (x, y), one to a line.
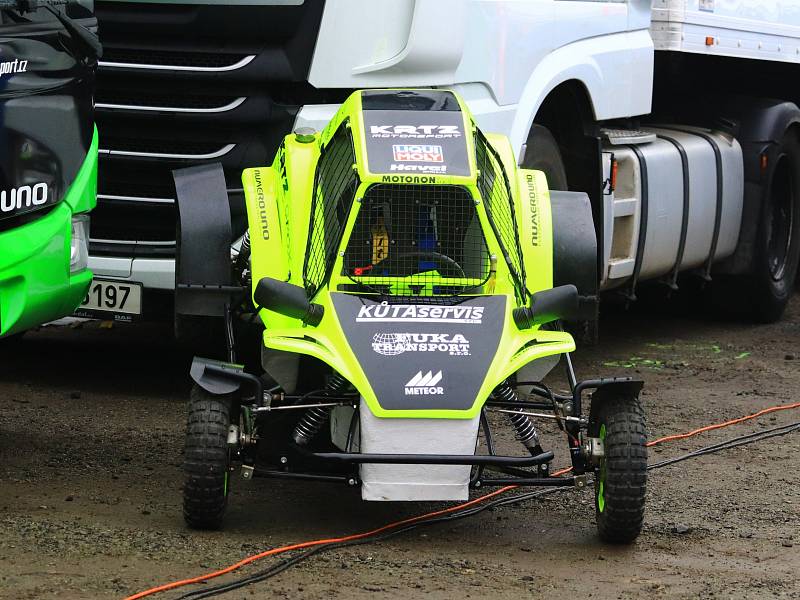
(23, 197)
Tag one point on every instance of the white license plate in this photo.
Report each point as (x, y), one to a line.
(107, 297)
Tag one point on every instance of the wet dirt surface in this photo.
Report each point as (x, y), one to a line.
(91, 426)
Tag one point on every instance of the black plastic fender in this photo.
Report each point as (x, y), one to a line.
(761, 119)
(221, 378)
(575, 249)
(203, 253)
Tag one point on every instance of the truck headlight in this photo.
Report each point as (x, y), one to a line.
(79, 244)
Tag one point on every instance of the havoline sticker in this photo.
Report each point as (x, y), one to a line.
(423, 357)
(415, 141)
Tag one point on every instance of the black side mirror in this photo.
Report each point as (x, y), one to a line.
(547, 306)
(287, 299)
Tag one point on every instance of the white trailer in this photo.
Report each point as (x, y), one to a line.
(677, 117)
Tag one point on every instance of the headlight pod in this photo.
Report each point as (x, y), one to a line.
(79, 244)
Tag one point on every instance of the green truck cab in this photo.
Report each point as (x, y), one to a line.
(48, 159)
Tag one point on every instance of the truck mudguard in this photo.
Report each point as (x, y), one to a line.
(761, 124)
(203, 269)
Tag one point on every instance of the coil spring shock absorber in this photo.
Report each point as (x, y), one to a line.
(315, 418)
(523, 424)
(243, 258)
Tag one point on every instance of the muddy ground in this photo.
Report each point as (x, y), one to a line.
(91, 425)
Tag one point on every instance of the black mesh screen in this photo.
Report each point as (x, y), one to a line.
(417, 241)
(496, 193)
(335, 184)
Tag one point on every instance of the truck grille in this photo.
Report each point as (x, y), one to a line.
(159, 102)
(160, 60)
(182, 85)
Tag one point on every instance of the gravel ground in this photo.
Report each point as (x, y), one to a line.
(91, 426)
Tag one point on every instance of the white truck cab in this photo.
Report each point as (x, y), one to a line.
(613, 98)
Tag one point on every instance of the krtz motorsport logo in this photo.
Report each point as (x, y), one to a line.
(425, 384)
(441, 132)
(395, 344)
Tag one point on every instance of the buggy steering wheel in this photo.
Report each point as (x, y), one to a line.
(444, 264)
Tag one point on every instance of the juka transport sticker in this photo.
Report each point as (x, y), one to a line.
(394, 344)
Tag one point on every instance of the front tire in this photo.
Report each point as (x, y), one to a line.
(206, 459)
(621, 478)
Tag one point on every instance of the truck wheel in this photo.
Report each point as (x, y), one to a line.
(621, 478)
(778, 249)
(762, 294)
(206, 459)
(542, 154)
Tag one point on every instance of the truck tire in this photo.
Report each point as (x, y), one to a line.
(542, 154)
(778, 246)
(206, 459)
(621, 478)
(762, 294)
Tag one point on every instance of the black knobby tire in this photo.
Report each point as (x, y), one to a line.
(206, 459)
(542, 154)
(621, 479)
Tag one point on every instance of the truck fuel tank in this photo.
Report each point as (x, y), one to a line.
(676, 206)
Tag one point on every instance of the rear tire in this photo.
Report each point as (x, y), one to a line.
(762, 295)
(543, 154)
(621, 478)
(779, 236)
(206, 459)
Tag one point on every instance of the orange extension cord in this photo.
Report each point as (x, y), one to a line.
(452, 509)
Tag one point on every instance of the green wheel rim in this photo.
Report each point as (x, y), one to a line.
(601, 481)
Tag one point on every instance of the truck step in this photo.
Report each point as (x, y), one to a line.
(620, 137)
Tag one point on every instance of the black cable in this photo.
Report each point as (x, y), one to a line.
(732, 443)
(283, 565)
(286, 564)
